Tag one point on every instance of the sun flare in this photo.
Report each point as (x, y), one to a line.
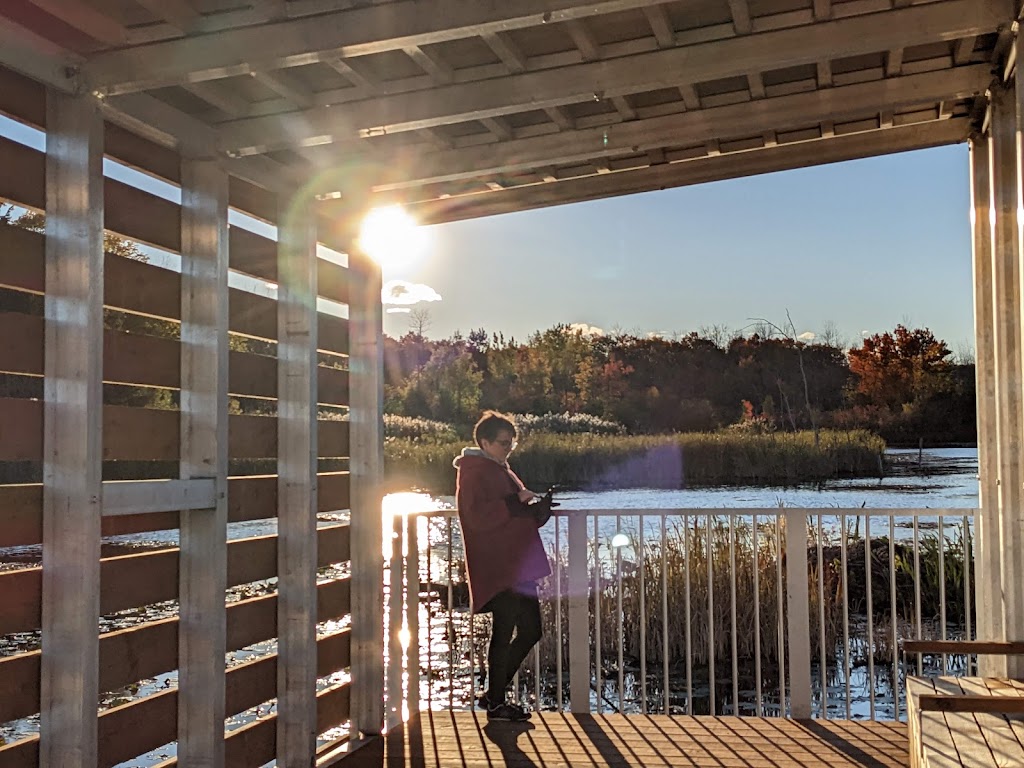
(392, 238)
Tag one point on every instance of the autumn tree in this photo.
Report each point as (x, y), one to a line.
(896, 369)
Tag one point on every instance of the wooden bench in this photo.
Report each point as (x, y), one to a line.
(965, 722)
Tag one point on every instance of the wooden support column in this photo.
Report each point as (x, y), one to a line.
(202, 630)
(366, 407)
(72, 436)
(986, 543)
(1007, 338)
(296, 484)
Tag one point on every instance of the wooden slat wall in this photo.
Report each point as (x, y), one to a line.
(151, 434)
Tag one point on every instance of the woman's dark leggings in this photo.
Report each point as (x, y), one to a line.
(513, 613)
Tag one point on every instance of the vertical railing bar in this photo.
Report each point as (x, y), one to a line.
(558, 615)
(732, 617)
(598, 669)
(967, 588)
(823, 671)
(894, 619)
(781, 595)
(711, 616)
(917, 588)
(452, 641)
(430, 618)
(846, 614)
(395, 590)
(642, 565)
(757, 615)
(412, 578)
(942, 589)
(618, 581)
(664, 615)
(536, 677)
(473, 658)
(689, 615)
(871, 621)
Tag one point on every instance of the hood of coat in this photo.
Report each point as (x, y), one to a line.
(473, 453)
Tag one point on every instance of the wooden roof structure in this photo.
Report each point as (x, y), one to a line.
(465, 108)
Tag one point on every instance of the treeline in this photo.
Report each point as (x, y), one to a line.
(902, 384)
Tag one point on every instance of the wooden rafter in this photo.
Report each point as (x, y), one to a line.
(432, 64)
(461, 102)
(354, 32)
(740, 16)
(506, 50)
(661, 25)
(287, 87)
(180, 14)
(583, 39)
(85, 18)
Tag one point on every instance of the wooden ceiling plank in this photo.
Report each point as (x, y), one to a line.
(655, 70)
(85, 18)
(661, 25)
(822, 10)
(180, 14)
(824, 68)
(354, 32)
(498, 127)
(694, 128)
(584, 40)
(506, 50)
(740, 16)
(25, 52)
(286, 86)
(561, 118)
(434, 66)
(350, 70)
(220, 97)
(963, 49)
(697, 171)
(623, 108)
(756, 85)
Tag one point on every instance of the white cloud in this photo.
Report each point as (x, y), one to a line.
(397, 310)
(807, 336)
(404, 293)
(865, 333)
(586, 329)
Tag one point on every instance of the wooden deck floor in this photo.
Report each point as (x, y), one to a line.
(553, 740)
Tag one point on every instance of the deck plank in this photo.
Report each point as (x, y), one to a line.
(556, 740)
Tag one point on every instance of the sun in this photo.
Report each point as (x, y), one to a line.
(392, 238)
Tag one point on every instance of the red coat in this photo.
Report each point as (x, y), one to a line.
(502, 550)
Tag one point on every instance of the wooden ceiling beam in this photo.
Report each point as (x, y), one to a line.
(498, 127)
(561, 118)
(354, 32)
(25, 52)
(506, 50)
(661, 25)
(822, 10)
(626, 112)
(740, 16)
(85, 18)
(287, 87)
(697, 171)
(180, 14)
(696, 128)
(462, 102)
(221, 97)
(962, 50)
(584, 40)
(893, 62)
(434, 66)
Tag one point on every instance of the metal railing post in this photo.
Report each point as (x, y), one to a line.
(798, 610)
(579, 615)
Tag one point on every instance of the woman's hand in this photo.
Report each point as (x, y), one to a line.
(526, 495)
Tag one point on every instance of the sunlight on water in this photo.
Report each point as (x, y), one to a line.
(404, 503)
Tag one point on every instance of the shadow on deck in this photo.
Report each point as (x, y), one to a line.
(556, 740)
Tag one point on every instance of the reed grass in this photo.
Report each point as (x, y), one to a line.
(650, 461)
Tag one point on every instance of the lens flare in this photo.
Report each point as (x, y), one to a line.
(391, 237)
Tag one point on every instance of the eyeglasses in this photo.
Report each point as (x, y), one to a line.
(508, 445)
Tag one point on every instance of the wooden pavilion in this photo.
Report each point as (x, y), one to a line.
(306, 114)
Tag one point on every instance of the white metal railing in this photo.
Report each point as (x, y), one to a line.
(801, 605)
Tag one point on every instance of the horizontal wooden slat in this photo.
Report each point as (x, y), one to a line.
(129, 581)
(140, 287)
(993, 705)
(147, 434)
(249, 498)
(131, 358)
(137, 727)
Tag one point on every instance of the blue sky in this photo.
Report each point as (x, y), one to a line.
(861, 245)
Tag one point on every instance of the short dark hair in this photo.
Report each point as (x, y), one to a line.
(490, 425)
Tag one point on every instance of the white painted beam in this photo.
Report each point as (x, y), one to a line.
(696, 127)
(356, 32)
(643, 72)
(986, 542)
(1007, 336)
(86, 19)
(297, 484)
(202, 570)
(366, 408)
(697, 171)
(72, 432)
(135, 497)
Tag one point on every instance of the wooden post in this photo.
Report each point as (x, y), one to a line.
(72, 437)
(579, 615)
(296, 486)
(986, 528)
(366, 407)
(202, 630)
(798, 614)
(1007, 336)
